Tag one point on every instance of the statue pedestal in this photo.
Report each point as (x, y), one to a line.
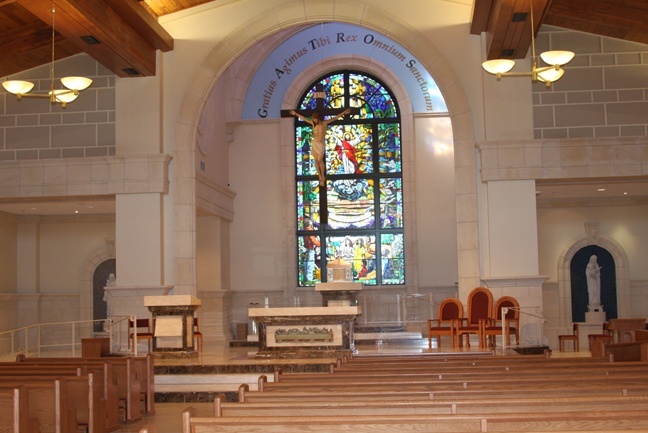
(597, 317)
(173, 325)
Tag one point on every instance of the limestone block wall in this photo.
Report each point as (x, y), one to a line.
(604, 92)
(35, 129)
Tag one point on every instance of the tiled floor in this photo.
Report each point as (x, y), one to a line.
(168, 415)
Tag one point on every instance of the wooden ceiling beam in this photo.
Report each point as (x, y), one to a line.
(122, 48)
(621, 19)
(506, 38)
(143, 22)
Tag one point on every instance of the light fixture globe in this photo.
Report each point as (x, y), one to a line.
(557, 57)
(73, 84)
(17, 87)
(63, 96)
(76, 83)
(498, 66)
(550, 75)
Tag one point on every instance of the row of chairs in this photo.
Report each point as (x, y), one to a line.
(484, 319)
(143, 329)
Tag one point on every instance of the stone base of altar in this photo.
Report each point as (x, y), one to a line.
(308, 332)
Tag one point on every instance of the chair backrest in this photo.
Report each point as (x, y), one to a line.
(480, 305)
(506, 302)
(575, 328)
(195, 324)
(450, 309)
(140, 323)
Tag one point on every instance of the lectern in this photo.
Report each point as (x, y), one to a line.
(173, 330)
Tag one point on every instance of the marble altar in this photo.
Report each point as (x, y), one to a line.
(173, 330)
(305, 332)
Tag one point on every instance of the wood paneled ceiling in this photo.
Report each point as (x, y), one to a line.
(126, 33)
(507, 23)
(123, 35)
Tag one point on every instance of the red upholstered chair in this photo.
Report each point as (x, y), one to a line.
(450, 311)
(480, 310)
(510, 323)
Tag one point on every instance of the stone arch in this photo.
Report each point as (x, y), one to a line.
(564, 276)
(285, 17)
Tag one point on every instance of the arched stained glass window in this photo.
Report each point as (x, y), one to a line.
(358, 214)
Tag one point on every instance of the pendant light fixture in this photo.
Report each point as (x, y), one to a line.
(546, 74)
(72, 85)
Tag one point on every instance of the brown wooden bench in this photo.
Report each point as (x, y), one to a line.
(80, 395)
(509, 380)
(102, 373)
(590, 422)
(14, 411)
(404, 393)
(134, 379)
(631, 351)
(421, 361)
(450, 406)
(467, 373)
(48, 403)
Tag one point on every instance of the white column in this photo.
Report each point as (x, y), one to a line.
(512, 229)
(139, 239)
(511, 262)
(139, 252)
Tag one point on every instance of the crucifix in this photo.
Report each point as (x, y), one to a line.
(315, 118)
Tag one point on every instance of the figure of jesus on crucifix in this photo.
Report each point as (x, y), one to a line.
(318, 146)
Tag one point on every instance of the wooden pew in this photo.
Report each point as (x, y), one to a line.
(439, 382)
(504, 373)
(590, 422)
(631, 351)
(404, 393)
(47, 403)
(80, 397)
(494, 404)
(434, 361)
(14, 411)
(134, 379)
(103, 376)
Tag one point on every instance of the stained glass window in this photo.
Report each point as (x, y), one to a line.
(358, 214)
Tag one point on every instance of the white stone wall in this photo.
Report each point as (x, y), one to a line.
(602, 94)
(34, 129)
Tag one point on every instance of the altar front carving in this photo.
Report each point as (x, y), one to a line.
(308, 332)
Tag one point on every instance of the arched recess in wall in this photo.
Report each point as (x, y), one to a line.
(99, 278)
(283, 17)
(87, 283)
(565, 283)
(579, 282)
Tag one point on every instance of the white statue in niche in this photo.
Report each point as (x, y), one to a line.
(593, 275)
(111, 281)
